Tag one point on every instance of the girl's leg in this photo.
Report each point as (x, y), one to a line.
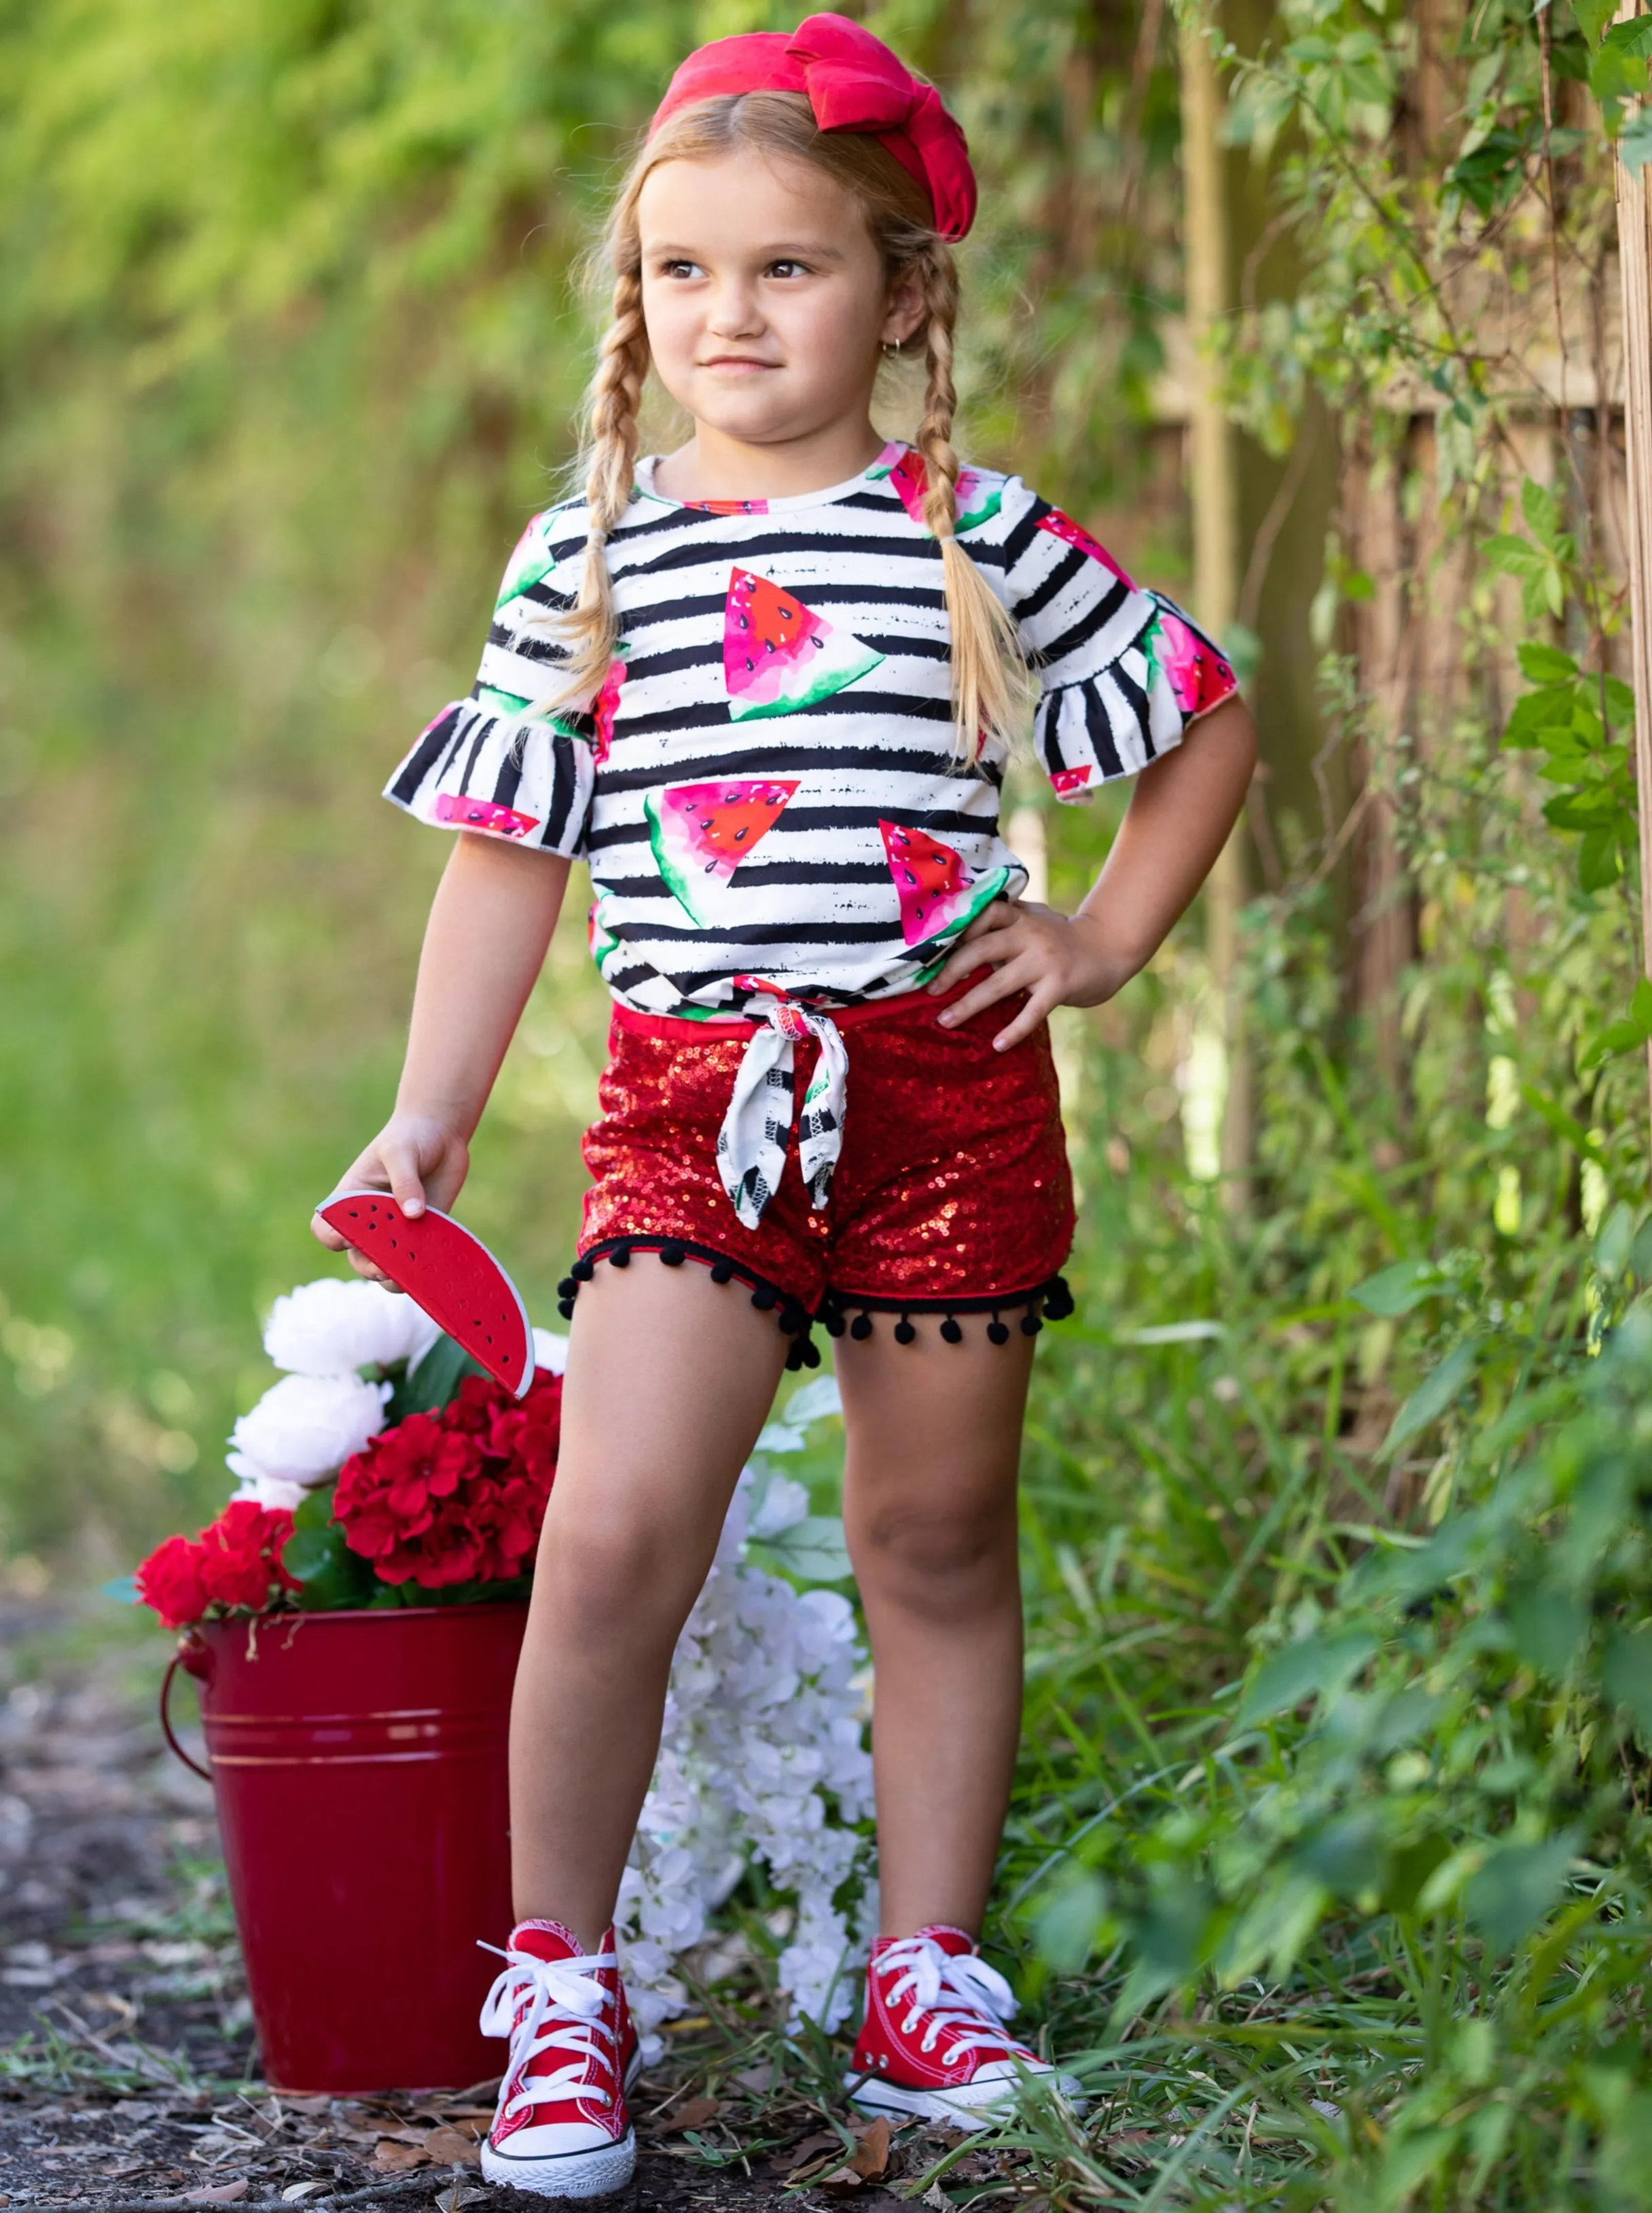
(670, 1377)
(929, 1508)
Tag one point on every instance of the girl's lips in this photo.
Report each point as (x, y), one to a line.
(736, 361)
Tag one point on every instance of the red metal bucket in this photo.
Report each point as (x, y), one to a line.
(358, 1760)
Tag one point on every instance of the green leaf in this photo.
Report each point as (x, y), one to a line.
(1549, 1625)
(1513, 557)
(1067, 1925)
(1592, 17)
(329, 1574)
(1317, 1665)
(314, 1509)
(1634, 144)
(1515, 1886)
(1545, 664)
(1433, 1396)
(1542, 512)
(1411, 1869)
(1612, 1245)
(1598, 862)
(1626, 1675)
(1347, 1856)
(1633, 38)
(1488, 174)
(436, 1379)
(1395, 1290)
(813, 1550)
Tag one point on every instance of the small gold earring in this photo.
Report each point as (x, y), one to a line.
(891, 348)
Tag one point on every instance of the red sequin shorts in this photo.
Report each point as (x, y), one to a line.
(952, 1194)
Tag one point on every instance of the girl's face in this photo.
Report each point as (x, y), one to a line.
(765, 300)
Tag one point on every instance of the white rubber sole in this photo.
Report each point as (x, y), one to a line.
(571, 2175)
(969, 2106)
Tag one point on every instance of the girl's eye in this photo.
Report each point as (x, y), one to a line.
(680, 269)
(787, 269)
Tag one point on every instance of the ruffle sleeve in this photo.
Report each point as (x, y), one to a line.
(498, 763)
(1123, 671)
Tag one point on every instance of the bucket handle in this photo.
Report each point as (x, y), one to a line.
(187, 1650)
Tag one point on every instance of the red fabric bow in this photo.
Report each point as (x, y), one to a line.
(853, 83)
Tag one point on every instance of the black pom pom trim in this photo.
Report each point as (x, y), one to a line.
(567, 1287)
(998, 1331)
(1031, 1322)
(620, 1257)
(904, 1333)
(672, 1256)
(834, 1323)
(765, 1296)
(1058, 1301)
(722, 1271)
(793, 1319)
(565, 1308)
(952, 1330)
(583, 1271)
(861, 1328)
(811, 1353)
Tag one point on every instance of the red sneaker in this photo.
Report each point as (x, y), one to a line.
(933, 2045)
(562, 2129)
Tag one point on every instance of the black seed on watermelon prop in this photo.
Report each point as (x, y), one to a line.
(447, 1271)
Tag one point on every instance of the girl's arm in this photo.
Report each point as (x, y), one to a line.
(1182, 809)
(490, 925)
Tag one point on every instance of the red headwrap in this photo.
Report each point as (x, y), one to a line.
(853, 83)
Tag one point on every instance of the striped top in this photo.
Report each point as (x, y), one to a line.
(763, 786)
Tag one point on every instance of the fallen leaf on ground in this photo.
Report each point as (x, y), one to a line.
(450, 2146)
(222, 2193)
(693, 2115)
(937, 2199)
(458, 2195)
(396, 2158)
(296, 2191)
(809, 2149)
(872, 2159)
(842, 2181)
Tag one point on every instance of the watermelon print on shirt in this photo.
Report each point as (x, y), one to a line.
(795, 652)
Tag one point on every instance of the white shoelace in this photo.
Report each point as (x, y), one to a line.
(956, 1992)
(565, 2008)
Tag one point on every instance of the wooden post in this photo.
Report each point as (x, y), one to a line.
(1213, 471)
(1634, 258)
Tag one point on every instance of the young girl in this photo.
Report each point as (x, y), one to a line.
(765, 687)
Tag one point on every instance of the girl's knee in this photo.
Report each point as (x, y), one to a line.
(932, 1556)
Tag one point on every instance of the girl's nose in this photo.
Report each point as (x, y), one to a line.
(734, 313)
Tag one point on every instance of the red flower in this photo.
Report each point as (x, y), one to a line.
(170, 1581)
(232, 1563)
(241, 1554)
(459, 1496)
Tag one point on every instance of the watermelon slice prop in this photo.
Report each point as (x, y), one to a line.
(449, 1272)
(778, 655)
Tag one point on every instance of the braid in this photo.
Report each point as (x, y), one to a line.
(990, 686)
(592, 628)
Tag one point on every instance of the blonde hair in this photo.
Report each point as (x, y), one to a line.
(990, 683)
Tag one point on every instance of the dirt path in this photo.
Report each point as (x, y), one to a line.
(128, 2067)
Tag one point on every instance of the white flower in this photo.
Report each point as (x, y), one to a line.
(306, 1427)
(550, 1351)
(783, 1506)
(267, 1490)
(332, 1326)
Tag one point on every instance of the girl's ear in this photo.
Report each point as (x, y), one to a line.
(906, 311)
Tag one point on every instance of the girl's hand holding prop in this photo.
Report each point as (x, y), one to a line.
(446, 1270)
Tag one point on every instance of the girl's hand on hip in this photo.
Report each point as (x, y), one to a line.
(1057, 959)
(419, 1161)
